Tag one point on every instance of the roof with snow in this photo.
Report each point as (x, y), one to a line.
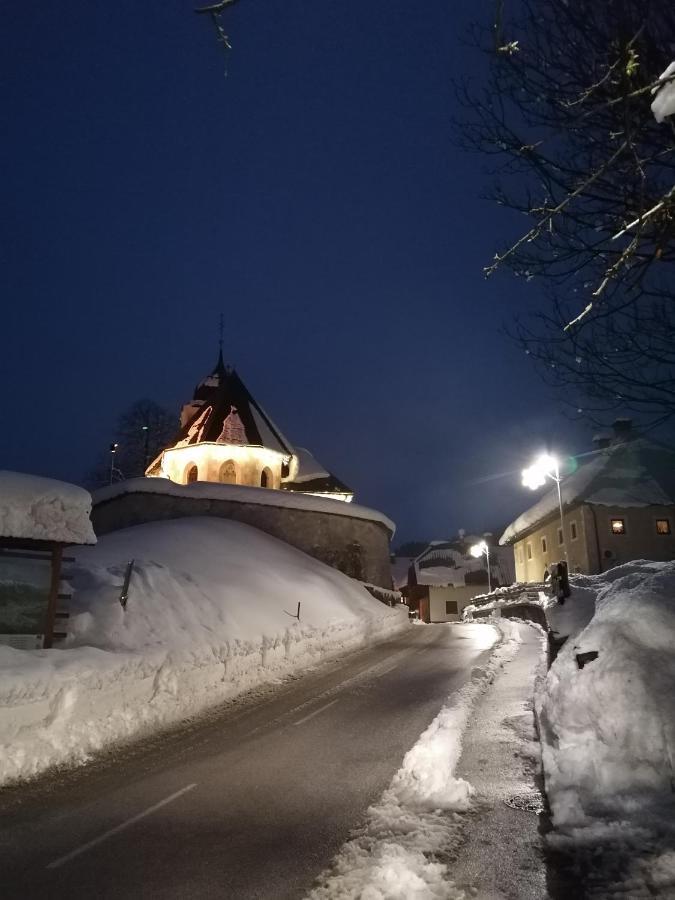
(629, 473)
(313, 478)
(42, 509)
(225, 412)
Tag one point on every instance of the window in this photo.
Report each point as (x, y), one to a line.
(573, 530)
(543, 545)
(663, 526)
(618, 526)
(228, 472)
(529, 551)
(191, 474)
(451, 607)
(560, 536)
(266, 478)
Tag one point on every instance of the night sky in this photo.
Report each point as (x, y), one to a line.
(315, 196)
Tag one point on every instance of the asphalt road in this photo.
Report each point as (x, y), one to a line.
(250, 801)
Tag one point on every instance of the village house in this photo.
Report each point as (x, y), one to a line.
(445, 577)
(618, 505)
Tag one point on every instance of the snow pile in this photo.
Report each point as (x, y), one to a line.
(43, 509)
(608, 729)
(397, 852)
(663, 104)
(208, 617)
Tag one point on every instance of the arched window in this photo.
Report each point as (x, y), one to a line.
(266, 478)
(191, 474)
(228, 472)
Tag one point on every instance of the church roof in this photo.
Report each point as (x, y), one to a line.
(313, 478)
(226, 412)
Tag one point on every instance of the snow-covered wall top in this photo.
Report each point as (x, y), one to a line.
(632, 473)
(42, 509)
(242, 494)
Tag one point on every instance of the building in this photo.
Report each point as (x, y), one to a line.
(226, 437)
(445, 577)
(618, 505)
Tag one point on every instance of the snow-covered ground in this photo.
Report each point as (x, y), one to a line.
(608, 729)
(397, 852)
(209, 616)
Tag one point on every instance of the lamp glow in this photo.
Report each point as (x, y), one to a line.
(482, 549)
(535, 476)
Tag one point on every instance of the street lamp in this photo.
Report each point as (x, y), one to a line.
(479, 550)
(535, 476)
(113, 451)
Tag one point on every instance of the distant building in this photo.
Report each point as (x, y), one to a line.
(445, 577)
(618, 505)
(226, 437)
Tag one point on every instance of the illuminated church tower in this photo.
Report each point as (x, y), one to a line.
(225, 436)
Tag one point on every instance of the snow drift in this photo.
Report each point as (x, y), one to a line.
(207, 619)
(608, 729)
(43, 509)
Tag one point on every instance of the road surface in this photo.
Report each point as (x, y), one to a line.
(250, 801)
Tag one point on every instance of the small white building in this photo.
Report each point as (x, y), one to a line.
(445, 577)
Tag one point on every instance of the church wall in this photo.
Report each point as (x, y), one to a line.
(209, 458)
(357, 547)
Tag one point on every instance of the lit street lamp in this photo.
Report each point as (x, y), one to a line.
(480, 550)
(534, 477)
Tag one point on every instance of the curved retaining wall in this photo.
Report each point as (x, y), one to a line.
(356, 545)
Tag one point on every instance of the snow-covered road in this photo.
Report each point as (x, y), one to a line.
(253, 800)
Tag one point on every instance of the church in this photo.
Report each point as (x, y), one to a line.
(226, 437)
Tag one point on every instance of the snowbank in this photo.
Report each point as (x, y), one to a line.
(207, 619)
(608, 729)
(43, 509)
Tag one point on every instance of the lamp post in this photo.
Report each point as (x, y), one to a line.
(481, 549)
(535, 476)
(146, 449)
(113, 450)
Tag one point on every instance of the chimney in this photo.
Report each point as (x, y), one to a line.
(622, 429)
(601, 441)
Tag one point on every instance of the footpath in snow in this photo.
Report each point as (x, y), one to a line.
(443, 830)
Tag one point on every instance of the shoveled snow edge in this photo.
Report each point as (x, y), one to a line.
(416, 821)
(78, 710)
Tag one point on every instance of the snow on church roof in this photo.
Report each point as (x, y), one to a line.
(631, 473)
(313, 477)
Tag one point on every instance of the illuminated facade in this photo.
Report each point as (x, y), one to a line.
(226, 437)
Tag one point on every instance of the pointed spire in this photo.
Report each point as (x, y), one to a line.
(220, 365)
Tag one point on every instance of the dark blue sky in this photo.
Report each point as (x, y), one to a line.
(314, 196)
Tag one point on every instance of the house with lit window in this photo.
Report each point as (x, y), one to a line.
(617, 505)
(445, 577)
(226, 437)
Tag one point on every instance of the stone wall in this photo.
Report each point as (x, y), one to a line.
(358, 547)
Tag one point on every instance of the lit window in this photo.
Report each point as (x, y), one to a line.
(663, 526)
(573, 530)
(543, 545)
(191, 475)
(618, 526)
(560, 535)
(529, 551)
